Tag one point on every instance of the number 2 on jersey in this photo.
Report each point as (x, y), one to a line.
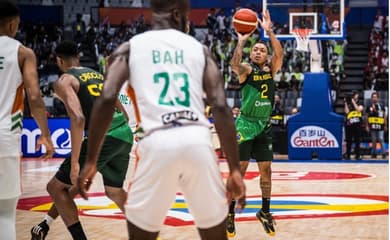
(182, 78)
(264, 91)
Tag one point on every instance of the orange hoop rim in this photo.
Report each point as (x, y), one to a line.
(302, 32)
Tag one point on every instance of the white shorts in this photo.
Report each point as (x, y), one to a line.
(9, 166)
(172, 160)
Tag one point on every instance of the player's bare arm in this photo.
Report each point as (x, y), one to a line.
(277, 58)
(28, 67)
(238, 67)
(66, 88)
(102, 112)
(224, 124)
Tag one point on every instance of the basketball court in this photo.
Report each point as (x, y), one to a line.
(310, 200)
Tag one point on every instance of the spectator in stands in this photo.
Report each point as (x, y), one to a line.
(277, 116)
(296, 79)
(294, 83)
(385, 62)
(211, 21)
(353, 124)
(79, 28)
(376, 124)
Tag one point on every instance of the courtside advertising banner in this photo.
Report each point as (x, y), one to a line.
(60, 135)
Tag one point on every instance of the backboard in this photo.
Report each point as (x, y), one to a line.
(324, 17)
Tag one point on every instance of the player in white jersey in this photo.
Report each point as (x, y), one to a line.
(169, 71)
(18, 72)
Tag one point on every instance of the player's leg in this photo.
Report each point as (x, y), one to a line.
(59, 187)
(135, 233)
(204, 191)
(382, 143)
(8, 218)
(9, 184)
(374, 135)
(357, 138)
(40, 230)
(217, 232)
(66, 207)
(245, 149)
(262, 149)
(153, 188)
(113, 164)
(348, 139)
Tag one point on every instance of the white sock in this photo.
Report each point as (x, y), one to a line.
(48, 219)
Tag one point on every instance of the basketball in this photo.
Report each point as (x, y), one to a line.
(245, 20)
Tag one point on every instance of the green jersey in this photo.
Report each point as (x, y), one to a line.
(258, 93)
(91, 84)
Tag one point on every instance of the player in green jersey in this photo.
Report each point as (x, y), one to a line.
(253, 124)
(78, 88)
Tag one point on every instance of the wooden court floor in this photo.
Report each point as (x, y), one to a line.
(311, 200)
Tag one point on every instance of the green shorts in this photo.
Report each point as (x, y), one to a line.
(112, 163)
(259, 148)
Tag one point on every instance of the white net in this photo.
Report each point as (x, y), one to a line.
(302, 36)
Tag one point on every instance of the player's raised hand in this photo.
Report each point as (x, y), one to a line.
(244, 37)
(266, 22)
(235, 189)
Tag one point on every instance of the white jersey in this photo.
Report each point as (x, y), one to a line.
(11, 90)
(11, 116)
(167, 77)
(125, 100)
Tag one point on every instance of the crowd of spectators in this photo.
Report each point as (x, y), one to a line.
(377, 70)
(97, 40)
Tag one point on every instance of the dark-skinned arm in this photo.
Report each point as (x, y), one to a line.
(102, 113)
(66, 88)
(28, 67)
(224, 125)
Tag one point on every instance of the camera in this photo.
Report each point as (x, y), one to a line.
(348, 99)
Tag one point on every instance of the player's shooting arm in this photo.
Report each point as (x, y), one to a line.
(239, 68)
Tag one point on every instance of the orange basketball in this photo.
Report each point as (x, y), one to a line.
(245, 20)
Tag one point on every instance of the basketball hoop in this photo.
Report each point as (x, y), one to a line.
(302, 36)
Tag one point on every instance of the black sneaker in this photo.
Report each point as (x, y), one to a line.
(230, 228)
(39, 231)
(268, 222)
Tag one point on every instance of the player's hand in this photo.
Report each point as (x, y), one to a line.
(266, 23)
(85, 179)
(244, 37)
(45, 141)
(235, 189)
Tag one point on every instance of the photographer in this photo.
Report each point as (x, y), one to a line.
(353, 124)
(376, 124)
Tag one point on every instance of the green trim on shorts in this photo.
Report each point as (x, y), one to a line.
(259, 148)
(112, 163)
